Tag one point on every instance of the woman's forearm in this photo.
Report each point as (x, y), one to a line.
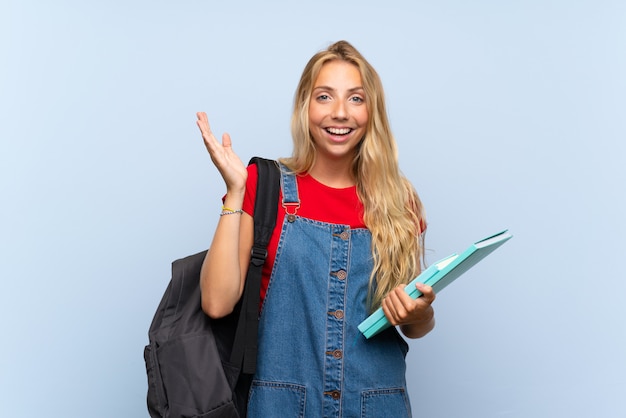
(224, 268)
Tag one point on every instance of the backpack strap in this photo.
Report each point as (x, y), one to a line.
(265, 211)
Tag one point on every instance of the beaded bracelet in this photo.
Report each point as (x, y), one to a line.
(229, 211)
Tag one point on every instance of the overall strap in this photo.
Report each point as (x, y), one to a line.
(289, 186)
(265, 210)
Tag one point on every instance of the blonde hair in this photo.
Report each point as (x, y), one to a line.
(393, 212)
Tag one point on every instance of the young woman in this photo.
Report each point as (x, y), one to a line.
(355, 241)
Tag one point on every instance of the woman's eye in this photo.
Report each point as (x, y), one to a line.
(322, 97)
(357, 99)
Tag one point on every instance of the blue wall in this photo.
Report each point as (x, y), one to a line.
(508, 115)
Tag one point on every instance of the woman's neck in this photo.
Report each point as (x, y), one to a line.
(335, 174)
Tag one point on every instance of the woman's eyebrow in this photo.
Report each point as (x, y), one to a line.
(351, 90)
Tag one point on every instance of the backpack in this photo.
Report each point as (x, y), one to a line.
(198, 367)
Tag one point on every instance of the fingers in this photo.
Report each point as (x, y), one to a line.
(203, 123)
(229, 165)
(400, 308)
(428, 294)
(211, 143)
(205, 127)
(226, 142)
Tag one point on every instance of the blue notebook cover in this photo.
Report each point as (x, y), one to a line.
(439, 275)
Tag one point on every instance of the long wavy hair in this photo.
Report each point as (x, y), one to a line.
(393, 212)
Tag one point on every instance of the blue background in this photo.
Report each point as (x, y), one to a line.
(507, 114)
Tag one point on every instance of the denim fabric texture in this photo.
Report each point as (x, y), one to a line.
(312, 360)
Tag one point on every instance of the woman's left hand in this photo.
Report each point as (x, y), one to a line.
(415, 316)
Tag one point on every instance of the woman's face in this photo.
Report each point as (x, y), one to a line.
(337, 111)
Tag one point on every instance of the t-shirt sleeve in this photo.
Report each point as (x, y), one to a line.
(250, 195)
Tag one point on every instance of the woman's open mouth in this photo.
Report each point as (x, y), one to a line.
(338, 131)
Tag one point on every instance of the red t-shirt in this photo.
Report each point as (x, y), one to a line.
(317, 202)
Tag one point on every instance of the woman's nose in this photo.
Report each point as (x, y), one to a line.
(340, 110)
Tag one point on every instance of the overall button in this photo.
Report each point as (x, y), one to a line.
(341, 274)
(345, 235)
(335, 394)
(336, 354)
(337, 314)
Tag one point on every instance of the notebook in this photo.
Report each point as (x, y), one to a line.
(439, 275)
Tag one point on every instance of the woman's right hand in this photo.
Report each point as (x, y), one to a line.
(229, 165)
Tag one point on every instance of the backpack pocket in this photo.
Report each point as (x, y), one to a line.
(190, 368)
(156, 393)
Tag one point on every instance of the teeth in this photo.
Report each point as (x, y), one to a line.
(338, 131)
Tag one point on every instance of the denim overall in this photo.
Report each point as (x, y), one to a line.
(312, 360)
